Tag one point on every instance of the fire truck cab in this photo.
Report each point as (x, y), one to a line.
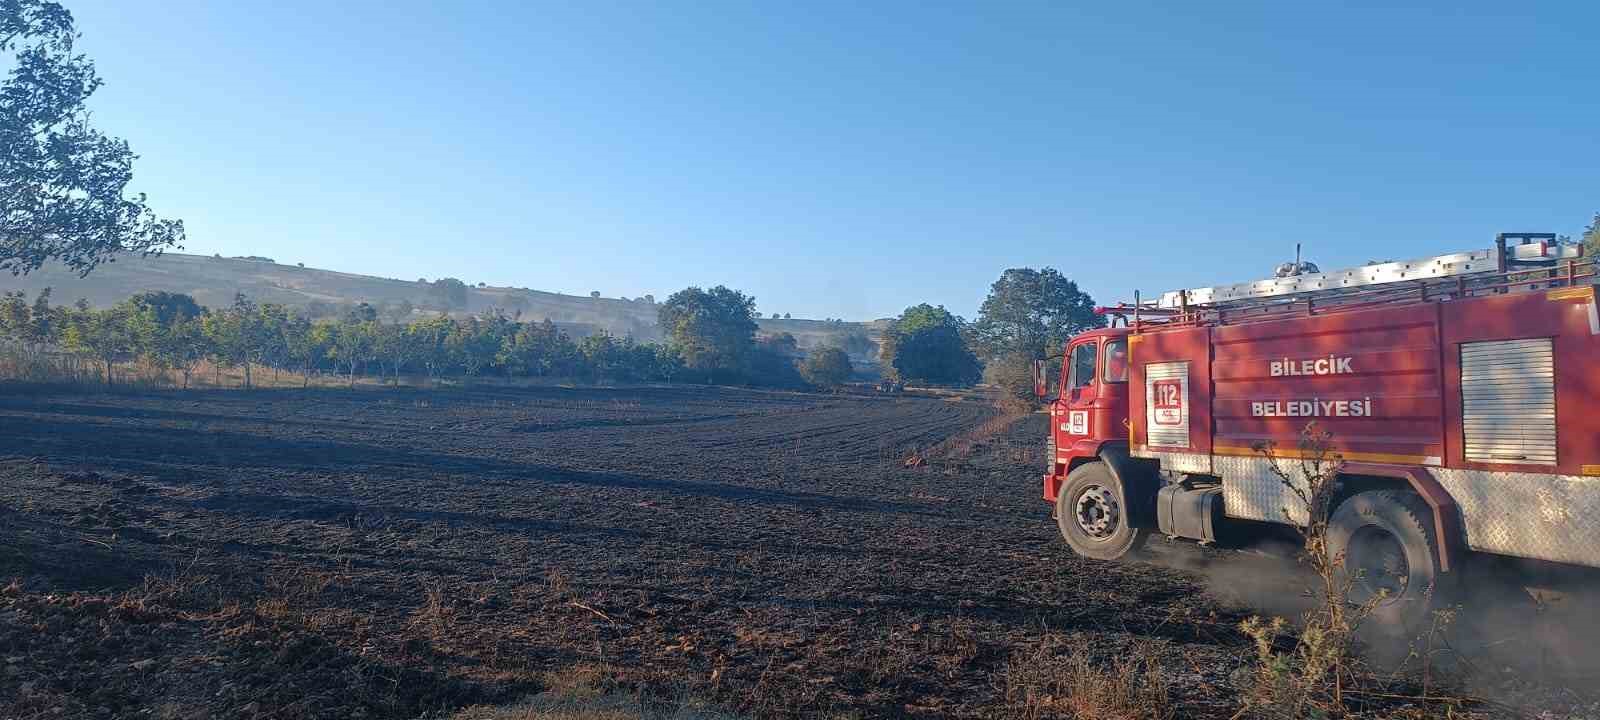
(1456, 391)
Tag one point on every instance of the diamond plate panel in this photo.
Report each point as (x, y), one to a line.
(1532, 515)
(1250, 490)
(1545, 517)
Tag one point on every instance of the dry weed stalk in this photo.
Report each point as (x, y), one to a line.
(1314, 673)
(1315, 676)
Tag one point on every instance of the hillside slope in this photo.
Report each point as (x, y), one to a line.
(213, 281)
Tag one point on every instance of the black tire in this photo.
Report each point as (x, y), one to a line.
(1388, 542)
(1092, 512)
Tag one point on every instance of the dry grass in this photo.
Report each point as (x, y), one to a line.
(586, 692)
(1059, 679)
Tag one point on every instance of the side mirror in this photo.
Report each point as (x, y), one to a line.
(1041, 377)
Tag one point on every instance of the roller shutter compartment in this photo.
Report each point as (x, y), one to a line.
(1508, 402)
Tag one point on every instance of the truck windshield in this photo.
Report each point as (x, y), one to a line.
(1116, 367)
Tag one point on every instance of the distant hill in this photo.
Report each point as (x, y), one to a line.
(213, 281)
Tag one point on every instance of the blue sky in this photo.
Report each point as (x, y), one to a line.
(850, 159)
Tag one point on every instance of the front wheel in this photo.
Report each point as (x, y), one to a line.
(1092, 512)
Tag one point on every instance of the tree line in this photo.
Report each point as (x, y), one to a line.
(171, 333)
(1028, 315)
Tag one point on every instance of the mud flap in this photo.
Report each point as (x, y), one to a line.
(1139, 484)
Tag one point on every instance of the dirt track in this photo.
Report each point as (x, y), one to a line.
(399, 553)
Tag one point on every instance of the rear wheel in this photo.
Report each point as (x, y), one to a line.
(1092, 512)
(1389, 547)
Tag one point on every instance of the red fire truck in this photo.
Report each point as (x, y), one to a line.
(1462, 393)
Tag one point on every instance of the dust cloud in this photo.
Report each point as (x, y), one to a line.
(1523, 634)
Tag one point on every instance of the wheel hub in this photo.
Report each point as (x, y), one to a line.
(1379, 560)
(1098, 513)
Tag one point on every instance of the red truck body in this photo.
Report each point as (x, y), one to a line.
(1482, 400)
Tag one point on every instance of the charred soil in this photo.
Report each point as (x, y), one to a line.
(404, 553)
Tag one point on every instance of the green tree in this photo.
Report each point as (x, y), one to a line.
(712, 330)
(14, 316)
(539, 349)
(231, 333)
(167, 307)
(1033, 313)
(272, 344)
(827, 367)
(303, 347)
(475, 344)
(321, 342)
(64, 182)
(361, 313)
(352, 343)
(175, 343)
(650, 361)
(247, 336)
(45, 322)
(190, 347)
(1591, 238)
(602, 354)
(30, 329)
(775, 362)
(926, 344)
(103, 335)
(430, 339)
(221, 332)
(167, 330)
(33, 327)
(783, 344)
(391, 343)
(243, 334)
(448, 294)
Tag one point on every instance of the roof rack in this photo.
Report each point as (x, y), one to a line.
(1518, 261)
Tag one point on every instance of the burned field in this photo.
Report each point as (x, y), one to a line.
(330, 554)
(404, 553)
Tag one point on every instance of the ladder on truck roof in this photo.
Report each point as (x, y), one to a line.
(1517, 261)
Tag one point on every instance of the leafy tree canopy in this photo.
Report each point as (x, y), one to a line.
(826, 367)
(62, 182)
(783, 344)
(925, 344)
(448, 293)
(711, 330)
(1032, 312)
(166, 307)
(1591, 238)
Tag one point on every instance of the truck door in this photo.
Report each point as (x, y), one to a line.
(1080, 390)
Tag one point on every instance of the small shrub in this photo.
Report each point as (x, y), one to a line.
(1013, 374)
(826, 367)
